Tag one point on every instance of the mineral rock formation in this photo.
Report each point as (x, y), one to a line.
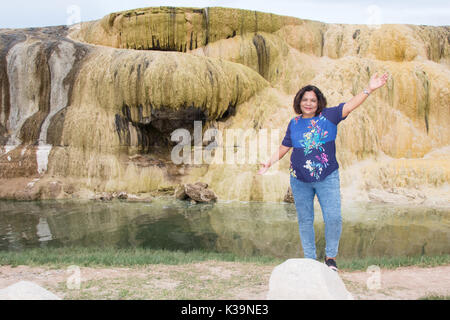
(95, 106)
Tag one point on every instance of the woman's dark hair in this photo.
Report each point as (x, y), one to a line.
(321, 100)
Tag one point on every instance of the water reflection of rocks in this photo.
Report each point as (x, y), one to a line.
(244, 228)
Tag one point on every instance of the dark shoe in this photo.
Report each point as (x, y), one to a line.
(331, 263)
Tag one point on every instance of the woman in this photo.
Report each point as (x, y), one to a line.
(314, 169)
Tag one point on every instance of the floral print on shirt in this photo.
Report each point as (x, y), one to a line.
(292, 171)
(314, 139)
(316, 168)
(323, 159)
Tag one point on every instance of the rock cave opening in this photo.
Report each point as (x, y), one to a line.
(153, 133)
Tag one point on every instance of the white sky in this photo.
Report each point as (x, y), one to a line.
(32, 13)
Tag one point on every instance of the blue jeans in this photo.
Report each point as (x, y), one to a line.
(329, 195)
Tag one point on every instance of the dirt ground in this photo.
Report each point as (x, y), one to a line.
(217, 280)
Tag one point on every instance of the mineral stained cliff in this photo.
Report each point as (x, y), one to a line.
(93, 107)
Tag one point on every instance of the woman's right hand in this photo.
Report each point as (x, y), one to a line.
(265, 167)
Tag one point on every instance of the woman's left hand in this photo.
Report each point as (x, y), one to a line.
(377, 82)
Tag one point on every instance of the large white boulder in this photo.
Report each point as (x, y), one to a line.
(306, 279)
(25, 290)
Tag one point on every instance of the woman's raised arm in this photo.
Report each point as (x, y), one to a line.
(375, 83)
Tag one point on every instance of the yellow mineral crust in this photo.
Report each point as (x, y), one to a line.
(106, 95)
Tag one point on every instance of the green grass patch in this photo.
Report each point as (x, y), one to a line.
(113, 257)
(355, 264)
(60, 257)
(435, 297)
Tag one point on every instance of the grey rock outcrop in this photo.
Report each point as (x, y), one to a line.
(198, 192)
(25, 290)
(306, 279)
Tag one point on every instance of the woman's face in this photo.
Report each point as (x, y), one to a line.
(309, 104)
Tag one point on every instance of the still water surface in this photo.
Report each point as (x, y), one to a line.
(243, 228)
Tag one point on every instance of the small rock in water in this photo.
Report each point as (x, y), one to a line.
(289, 196)
(122, 196)
(104, 196)
(199, 192)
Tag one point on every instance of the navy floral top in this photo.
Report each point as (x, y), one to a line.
(313, 140)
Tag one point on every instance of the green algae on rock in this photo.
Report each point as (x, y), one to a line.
(177, 29)
(91, 107)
